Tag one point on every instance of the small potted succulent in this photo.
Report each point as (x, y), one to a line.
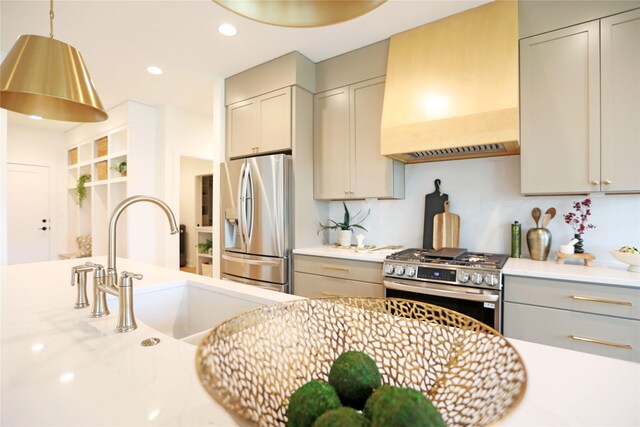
(346, 226)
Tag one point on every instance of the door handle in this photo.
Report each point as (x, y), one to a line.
(596, 341)
(604, 301)
(42, 228)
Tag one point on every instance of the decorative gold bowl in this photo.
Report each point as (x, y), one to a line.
(253, 362)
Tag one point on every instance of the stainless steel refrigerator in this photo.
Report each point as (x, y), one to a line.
(255, 218)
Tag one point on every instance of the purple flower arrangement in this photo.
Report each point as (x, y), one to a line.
(578, 220)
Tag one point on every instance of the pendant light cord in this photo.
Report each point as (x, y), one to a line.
(51, 18)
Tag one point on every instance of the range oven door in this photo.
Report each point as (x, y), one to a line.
(482, 304)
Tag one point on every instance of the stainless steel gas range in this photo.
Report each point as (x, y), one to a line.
(467, 282)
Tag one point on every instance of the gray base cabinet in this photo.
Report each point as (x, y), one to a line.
(318, 277)
(592, 318)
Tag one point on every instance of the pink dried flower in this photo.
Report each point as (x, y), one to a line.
(578, 220)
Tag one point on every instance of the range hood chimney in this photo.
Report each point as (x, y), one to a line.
(452, 87)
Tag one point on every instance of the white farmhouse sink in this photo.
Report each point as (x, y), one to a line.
(186, 310)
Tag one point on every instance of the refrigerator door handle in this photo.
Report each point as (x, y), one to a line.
(242, 206)
(251, 261)
(250, 201)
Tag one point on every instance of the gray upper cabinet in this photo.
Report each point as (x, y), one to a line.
(347, 160)
(580, 108)
(620, 110)
(260, 125)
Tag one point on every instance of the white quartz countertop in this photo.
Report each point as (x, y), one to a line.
(331, 252)
(612, 275)
(60, 367)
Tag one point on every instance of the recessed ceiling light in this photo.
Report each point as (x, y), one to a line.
(227, 30)
(35, 117)
(154, 70)
(66, 377)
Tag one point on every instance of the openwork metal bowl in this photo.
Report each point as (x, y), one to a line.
(253, 362)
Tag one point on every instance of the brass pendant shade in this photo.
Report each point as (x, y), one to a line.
(48, 78)
(300, 13)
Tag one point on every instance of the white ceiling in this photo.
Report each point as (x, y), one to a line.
(119, 39)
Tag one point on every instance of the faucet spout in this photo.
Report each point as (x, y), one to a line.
(113, 223)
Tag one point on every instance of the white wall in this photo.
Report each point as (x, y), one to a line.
(180, 133)
(3, 186)
(190, 168)
(486, 195)
(33, 146)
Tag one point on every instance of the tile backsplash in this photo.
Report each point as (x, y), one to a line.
(486, 194)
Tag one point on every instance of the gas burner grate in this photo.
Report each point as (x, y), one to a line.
(450, 256)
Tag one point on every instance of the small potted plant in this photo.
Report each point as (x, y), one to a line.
(205, 247)
(346, 226)
(81, 190)
(121, 167)
(578, 220)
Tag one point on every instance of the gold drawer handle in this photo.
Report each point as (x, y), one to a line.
(594, 341)
(331, 267)
(606, 301)
(331, 294)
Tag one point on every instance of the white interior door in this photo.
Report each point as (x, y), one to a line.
(28, 228)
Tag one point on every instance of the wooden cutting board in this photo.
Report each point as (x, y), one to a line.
(433, 204)
(446, 229)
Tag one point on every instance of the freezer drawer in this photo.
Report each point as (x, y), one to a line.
(252, 267)
(265, 285)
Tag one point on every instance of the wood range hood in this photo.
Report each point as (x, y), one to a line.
(452, 87)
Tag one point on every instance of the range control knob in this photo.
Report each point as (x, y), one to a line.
(400, 270)
(411, 271)
(477, 278)
(491, 279)
(389, 269)
(463, 276)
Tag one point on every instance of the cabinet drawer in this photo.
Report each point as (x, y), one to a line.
(578, 296)
(341, 268)
(589, 333)
(314, 286)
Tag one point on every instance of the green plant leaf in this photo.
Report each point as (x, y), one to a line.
(347, 217)
(359, 226)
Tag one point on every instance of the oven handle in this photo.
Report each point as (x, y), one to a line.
(442, 293)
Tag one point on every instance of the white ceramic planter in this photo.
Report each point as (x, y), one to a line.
(344, 238)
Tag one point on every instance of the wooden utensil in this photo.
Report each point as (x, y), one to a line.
(433, 204)
(548, 216)
(535, 213)
(446, 229)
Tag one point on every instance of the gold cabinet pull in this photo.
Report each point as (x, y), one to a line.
(595, 182)
(605, 301)
(595, 341)
(331, 294)
(606, 182)
(332, 267)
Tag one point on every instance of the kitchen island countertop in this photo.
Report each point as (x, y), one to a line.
(59, 367)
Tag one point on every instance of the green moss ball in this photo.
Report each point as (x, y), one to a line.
(309, 402)
(392, 406)
(342, 417)
(354, 375)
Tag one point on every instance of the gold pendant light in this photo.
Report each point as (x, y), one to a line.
(300, 13)
(45, 77)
